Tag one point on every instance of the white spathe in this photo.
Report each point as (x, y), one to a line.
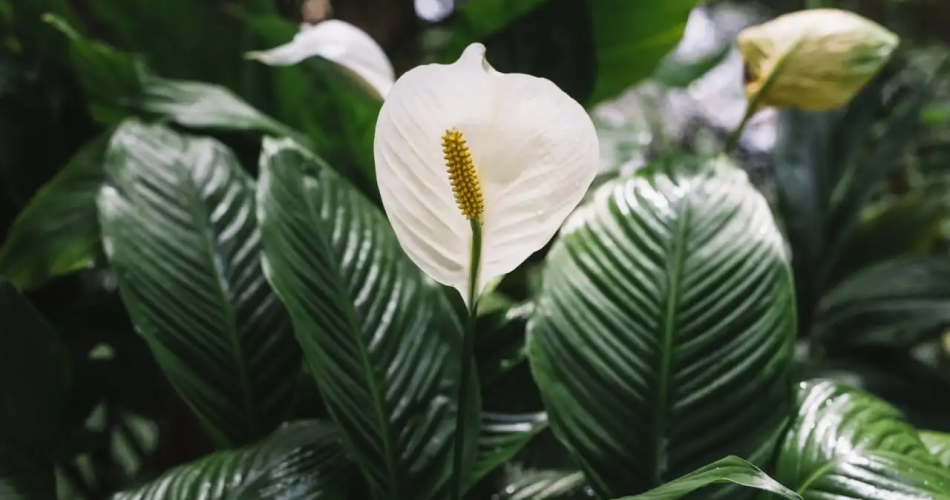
(342, 43)
(535, 150)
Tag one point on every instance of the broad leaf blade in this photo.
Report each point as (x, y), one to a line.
(34, 386)
(303, 461)
(842, 433)
(664, 330)
(592, 50)
(727, 470)
(178, 226)
(58, 231)
(895, 303)
(382, 343)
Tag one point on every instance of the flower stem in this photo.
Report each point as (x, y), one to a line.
(468, 354)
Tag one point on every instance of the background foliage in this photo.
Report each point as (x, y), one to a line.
(182, 315)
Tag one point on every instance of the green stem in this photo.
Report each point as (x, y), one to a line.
(468, 355)
(737, 132)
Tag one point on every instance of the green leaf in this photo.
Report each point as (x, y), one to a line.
(382, 342)
(845, 443)
(302, 461)
(939, 445)
(909, 225)
(34, 386)
(663, 335)
(544, 485)
(593, 50)
(680, 73)
(58, 231)
(727, 470)
(897, 303)
(178, 226)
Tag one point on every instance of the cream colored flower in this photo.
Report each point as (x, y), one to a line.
(462, 144)
(820, 58)
(346, 45)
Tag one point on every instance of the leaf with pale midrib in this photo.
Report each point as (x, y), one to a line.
(664, 328)
(178, 225)
(301, 461)
(847, 444)
(381, 341)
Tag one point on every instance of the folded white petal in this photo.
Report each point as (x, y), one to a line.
(342, 43)
(534, 147)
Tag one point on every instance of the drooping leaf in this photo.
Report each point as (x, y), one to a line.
(34, 385)
(663, 334)
(845, 443)
(895, 303)
(382, 342)
(58, 231)
(731, 469)
(178, 226)
(593, 50)
(939, 445)
(303, 461)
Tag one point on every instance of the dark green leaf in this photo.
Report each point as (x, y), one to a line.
(34, 386)
(896, 303)
(381, 341)
(58, 231)
(593, 50)
(663, 335)
(302, 461)
(545, 485)
(845, 443)
(939, 445)
(727, 470)
(679, 73)
(909, 225)
(178, 225)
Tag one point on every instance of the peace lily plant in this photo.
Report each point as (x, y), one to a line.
(477, 170)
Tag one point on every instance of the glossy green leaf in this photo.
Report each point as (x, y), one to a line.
(663, 334)
(727, 470)
(34, 386)
(845, 443)
(939, 445)
(593, 50)
(58, 231)
(301, 461)
(178, 225)
(382, 342)
(545, 485)
(896, 303)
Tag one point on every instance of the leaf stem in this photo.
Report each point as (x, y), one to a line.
(468, 352)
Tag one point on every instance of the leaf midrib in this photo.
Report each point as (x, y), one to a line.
(202, 218)
(349, 310)
(661, 412)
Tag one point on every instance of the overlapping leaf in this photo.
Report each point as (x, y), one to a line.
(381, 341)
(664, 329)
(179, 228)
(847, 444)
(939, 445)
(301, 461)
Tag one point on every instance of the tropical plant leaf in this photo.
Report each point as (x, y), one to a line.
(303, 461)
(592, 50)
(894, 303)
(664, 329)
(381, 341)
(545, 485)
(727, 470)
(939, 445)
(845, 443)
(58, 231)
(34, 385)
(178, 226)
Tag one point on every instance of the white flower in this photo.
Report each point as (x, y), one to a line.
(520, 151)
(342, 43)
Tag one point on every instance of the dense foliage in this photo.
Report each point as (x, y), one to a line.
(202, 297)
